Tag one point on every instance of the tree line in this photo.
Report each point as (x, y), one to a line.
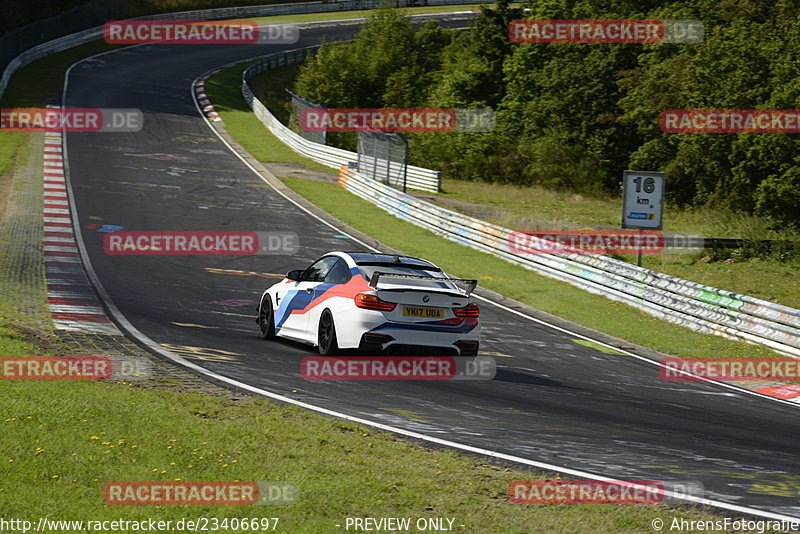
(574, 116)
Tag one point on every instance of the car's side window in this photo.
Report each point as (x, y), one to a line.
(319, 269)
(339, 273)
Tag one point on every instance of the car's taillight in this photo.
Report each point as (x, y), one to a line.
(470, 310)
(372, 302)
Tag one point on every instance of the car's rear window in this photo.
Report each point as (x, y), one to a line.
(433, 277)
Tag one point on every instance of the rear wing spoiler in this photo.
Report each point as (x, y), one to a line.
(376, 276)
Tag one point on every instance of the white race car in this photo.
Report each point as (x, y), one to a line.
(373, 302)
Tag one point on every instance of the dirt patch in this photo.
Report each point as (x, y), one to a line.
(162, 375)
(298, 170)
(45, 341)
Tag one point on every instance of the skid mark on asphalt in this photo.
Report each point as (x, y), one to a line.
(203, 353)
(192, 325)
(492, 353)
(408, 414)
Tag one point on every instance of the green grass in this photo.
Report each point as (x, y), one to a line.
(64, 440)
(224, 91)
(339, 15)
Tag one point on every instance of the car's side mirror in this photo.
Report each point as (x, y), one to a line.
(295, 274)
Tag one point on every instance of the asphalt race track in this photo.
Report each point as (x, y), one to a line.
(553, 400)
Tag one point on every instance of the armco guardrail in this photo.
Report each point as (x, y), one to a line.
(416, 177)
(91, 34)
(699, 307)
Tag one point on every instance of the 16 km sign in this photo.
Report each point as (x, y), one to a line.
(642, 199)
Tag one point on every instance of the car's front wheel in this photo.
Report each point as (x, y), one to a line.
(327, 344)
(266, 319)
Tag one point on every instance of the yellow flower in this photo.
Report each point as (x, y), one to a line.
(94, 437)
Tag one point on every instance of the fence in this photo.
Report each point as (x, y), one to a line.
(299, 104)
(702, 308)
(384, 157)
(416, 177)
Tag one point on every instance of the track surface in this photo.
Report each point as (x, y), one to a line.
(553, 400)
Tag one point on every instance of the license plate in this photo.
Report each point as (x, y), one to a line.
(426, 313)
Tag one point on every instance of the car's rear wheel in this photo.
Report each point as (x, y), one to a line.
(266, 319)
(327, 345)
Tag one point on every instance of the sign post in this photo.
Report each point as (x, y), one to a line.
(642, 202)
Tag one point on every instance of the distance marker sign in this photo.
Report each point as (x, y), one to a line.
(642, 199)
